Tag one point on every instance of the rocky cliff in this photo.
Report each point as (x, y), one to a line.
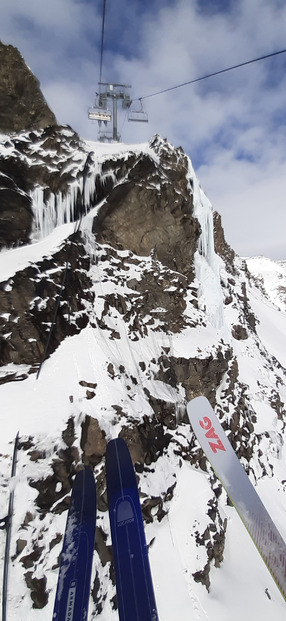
(22, 105)
(121, 300)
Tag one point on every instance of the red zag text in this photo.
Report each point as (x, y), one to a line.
(211, 434)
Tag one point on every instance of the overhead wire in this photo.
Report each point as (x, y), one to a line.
(188, 82)
(102, 40)
(210, 75)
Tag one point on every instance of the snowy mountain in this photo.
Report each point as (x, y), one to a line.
(272, 277)
(120, 301)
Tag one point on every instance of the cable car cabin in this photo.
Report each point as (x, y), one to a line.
(97, 114)
(138, 115)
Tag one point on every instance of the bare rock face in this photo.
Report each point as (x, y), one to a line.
(15, 213)
(93, 441)
(28, 301)
(22, 105)
(221, 246)
(158, 200)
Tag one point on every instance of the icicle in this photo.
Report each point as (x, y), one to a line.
(206, 241)
(54, 211)
(89, 189)
(206, 259)
(38, 207)
(61, 208)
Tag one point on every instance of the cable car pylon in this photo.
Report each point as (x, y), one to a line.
(100, 112)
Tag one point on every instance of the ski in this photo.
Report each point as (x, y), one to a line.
(73, 588)
(136, 599)
(7, 524)
(239, 488)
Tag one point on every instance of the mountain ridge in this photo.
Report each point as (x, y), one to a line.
(119, 291)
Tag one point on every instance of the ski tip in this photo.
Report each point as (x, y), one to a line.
(117, 446)
(84, 479)
(118, 460)
(196, 402)
(116, 442)
(198, 408)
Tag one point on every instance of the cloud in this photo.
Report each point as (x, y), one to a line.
(251, 200)
(233, 126)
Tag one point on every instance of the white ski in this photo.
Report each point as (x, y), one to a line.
(239, 488)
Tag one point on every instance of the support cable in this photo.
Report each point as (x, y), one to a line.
(102, 40)
(210, 75)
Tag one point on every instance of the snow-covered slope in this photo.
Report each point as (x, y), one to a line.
(272, 276)
(155, 336)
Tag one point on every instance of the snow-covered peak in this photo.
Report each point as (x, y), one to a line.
(124, 300)
(272, 276)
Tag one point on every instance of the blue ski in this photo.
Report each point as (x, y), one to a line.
(7, 523)
(136, 599)
(72, 596)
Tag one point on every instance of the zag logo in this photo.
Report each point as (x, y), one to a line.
(206, 424)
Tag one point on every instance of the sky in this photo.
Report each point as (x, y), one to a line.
(233, 126)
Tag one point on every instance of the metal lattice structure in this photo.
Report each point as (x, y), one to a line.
(101, 113)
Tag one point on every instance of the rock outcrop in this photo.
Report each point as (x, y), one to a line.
(158, 199)
(22, 105)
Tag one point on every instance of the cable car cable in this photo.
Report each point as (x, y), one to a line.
(102, 40)
(210, 75)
